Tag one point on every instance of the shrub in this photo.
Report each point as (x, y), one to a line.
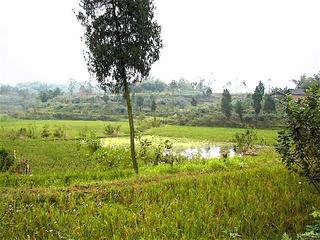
(244, 142)
(112, 131)
(6, 160)
(59, 132)
(312, 231)
(22, 132)
(145, 124)
(157, 153)
(45, 132)
(92, 143)
(298, 144)
(112, 157)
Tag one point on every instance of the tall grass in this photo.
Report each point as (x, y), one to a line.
(260, 203)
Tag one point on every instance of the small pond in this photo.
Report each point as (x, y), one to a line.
(205, 152)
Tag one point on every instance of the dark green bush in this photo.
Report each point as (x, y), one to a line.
(6, 160)
(244, 142)
(112, 131)
(298, 144)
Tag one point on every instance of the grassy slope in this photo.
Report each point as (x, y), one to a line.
(256, 203)
(69, 196)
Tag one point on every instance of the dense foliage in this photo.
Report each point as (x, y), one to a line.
(299, 143)
(6, 160)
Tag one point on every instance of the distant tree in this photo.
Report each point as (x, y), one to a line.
(257, 97)
(226, 106)
(269, 104)
(306, 82)
(44, 96)
(153, 105)
(209, 92)
(123, 41)
(239, 109)
(72, 86)
(140, 102)
(105, 98)
(194, 102)
(173, 86)
(298, 144)
(56, 92)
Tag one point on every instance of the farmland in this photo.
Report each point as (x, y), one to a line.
(71, 195)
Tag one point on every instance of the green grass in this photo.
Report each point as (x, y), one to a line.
(71, 196)
(256, 203)
(210, 134)
(72, 128)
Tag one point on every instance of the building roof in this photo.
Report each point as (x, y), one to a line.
(298, 92)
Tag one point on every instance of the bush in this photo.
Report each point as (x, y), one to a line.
(244, 142)
(312, 231)
(112, 157)
(6, 160)
(45, 132)
(145, 124)
(22, 132)
(155, 154)
(59, 132)
(112, 131)
(92, 143)
(298, 144)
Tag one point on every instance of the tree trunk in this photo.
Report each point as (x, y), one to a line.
(131, 125)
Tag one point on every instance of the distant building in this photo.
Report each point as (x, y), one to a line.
(295, 93)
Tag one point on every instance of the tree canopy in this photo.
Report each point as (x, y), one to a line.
(123, 40)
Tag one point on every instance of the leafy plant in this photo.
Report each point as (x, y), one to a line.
(112, 157)
(244, 142)
(59, 132)
(257, 98)
(112, 131)
(312, 231)
(298, 144)
(6, 160)
(226, 106)
(22, 132)
(92, 142)
(45, 132)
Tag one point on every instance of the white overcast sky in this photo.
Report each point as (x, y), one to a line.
(222, 40)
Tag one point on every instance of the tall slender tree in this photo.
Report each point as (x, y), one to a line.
(257, 97)
(123, 41)
(238, 108)
(226, 106)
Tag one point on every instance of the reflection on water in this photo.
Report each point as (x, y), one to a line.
(206, 152)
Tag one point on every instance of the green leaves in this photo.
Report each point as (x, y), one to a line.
(257, 97)
(226, 105)
(122, 38)
(298, 144)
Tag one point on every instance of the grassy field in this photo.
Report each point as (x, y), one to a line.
(72, 196)
(210, 134)
(73, 128)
